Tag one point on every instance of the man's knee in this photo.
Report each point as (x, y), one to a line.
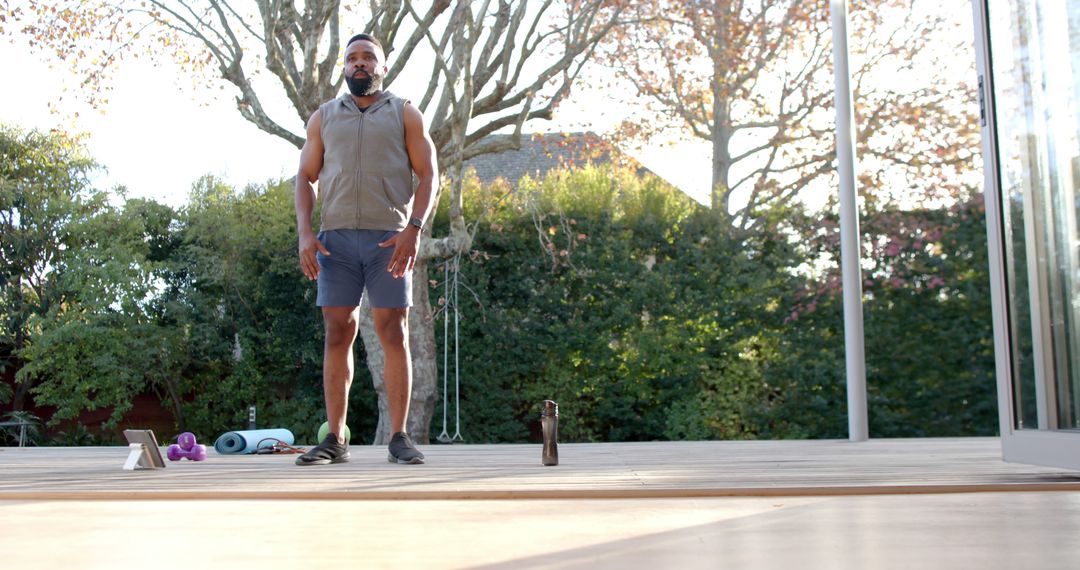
(340, 327)
(392, 327)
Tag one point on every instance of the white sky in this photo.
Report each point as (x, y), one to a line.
(156, 138)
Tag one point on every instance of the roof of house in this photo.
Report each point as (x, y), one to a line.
(540, 153)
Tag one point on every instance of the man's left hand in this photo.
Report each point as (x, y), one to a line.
(405, 245)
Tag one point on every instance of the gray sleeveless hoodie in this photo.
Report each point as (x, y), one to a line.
(366, 179)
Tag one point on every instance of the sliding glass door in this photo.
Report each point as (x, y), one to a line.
(1029, 89)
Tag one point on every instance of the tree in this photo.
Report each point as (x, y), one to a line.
(76, 274)
(755, 80)
(493, 65)
(930, 349)
(100, 345)
(44, 192)
(621, 298)
(929, 336)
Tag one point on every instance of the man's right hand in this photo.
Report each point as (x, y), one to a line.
(309, 244)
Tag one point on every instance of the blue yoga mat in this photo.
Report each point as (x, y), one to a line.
(234, 442)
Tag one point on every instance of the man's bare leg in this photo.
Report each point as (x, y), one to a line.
(341, 327)
(392, 327)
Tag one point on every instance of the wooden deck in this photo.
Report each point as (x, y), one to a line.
(604, 470)
(768, 505)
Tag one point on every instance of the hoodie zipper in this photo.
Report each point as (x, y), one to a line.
(359, 148)
(359, 160)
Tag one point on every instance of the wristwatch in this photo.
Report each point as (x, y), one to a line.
(417, 222)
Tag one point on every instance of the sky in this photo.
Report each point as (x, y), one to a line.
(157, 135)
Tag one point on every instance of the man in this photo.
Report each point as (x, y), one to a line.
(363, 149)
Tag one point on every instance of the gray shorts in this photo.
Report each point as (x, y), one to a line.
(356, 261)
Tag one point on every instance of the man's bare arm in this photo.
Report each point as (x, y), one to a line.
(422, 159)
(311, 160)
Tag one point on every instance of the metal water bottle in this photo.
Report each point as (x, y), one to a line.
(549, 422)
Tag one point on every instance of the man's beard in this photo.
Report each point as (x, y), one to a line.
(364, 86)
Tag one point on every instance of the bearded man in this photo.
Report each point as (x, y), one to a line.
(363, 149)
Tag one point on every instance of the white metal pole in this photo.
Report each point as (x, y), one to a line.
(858, 428)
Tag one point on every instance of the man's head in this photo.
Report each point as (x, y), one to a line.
(365, 65)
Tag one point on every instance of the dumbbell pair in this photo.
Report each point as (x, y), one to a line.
(185, 446)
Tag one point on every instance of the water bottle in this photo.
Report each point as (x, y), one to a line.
(549, 421)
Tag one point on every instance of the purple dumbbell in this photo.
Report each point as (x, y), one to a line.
(185, 446)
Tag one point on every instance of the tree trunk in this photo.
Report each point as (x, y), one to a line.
(18, 400)
(173, 391)
(425, 374)
(721, 123)
(721, 156)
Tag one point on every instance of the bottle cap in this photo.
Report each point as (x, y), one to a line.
(549, 408)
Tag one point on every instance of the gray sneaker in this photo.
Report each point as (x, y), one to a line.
(403, 450)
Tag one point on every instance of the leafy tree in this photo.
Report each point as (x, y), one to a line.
(755, 81)
(929, 333)
(929, 338)
(121, 300)
(44, 192)
(77, 274)
(640, 314)
(623, 300)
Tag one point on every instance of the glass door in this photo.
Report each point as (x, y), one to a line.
(1029, 90)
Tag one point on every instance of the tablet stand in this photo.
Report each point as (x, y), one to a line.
(143, 452)
(138, 458)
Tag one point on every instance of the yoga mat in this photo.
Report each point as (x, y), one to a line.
(234, 442)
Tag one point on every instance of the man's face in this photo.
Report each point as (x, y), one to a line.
(364, 68)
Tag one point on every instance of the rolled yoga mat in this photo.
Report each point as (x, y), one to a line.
(235, 442)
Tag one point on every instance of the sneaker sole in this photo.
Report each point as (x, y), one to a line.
(342, 459)
(413, 461)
